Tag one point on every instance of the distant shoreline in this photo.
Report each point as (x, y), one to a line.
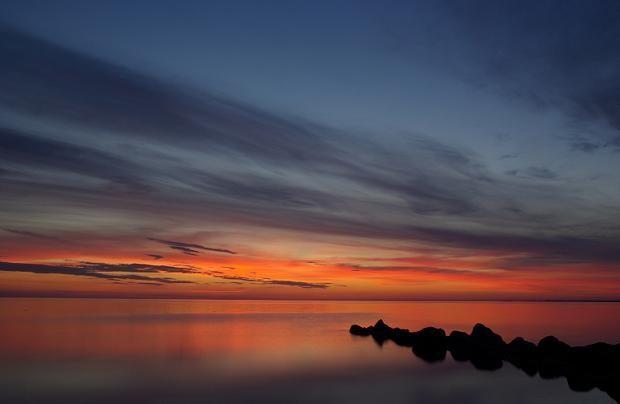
(8, 295)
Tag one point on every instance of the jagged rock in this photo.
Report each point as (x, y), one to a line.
(381, 332)
(381, 327)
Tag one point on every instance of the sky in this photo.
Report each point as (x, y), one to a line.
(310, 150)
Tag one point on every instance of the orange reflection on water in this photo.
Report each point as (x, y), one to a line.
(277, 331)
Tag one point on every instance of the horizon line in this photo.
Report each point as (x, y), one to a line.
(446, 300)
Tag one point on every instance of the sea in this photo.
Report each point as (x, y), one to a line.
(260, 351)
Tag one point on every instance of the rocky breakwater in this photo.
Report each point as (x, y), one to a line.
(584, 367)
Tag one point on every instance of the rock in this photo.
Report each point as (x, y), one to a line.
(551, 346)
(484, 336)
(380, 326)
(459, 344)
(430, 344)
(596, 355)
(430, 353)
(382, 329)
(402, 337)
(523, 354)
(487, 348)
(430, 336)
(554, 357)
(359, 330)
(381, 332)
(521, 347)
(580, 382)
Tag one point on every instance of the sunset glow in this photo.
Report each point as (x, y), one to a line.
(218, 158)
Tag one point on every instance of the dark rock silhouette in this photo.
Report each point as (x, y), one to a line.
(554, 357)
(523, 354)
(430, 344)
(359, 330)
(584, 367)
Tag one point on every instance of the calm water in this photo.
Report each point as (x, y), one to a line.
(200, 351)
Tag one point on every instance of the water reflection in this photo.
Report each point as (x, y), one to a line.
(160, 351)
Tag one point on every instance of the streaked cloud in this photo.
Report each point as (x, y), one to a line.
(111, 272)
(190, 248)
(105, 154)
(268, 281)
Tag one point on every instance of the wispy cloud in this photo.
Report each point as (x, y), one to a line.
(35, 235)
(534, 172)
(203, 158)
(410, 268)
(189, 248)
(112, 272)
(143, 274)
(561, 56)
(268, 281)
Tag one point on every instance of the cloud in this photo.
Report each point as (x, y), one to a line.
(586, 146)
(138, 283)
(104, 267)
(509, 156)
(590, 146)
(549, 54)
(542, 173)
(150, 109)
(34, 151)
(571, 248)
(155, 256)
(160, 113)
(112, 272)
(299, 284)
(189, 248)
(268, 281)
(117, 144)
(184, 250)
(27, 233)
(141, 273)
(409, 268)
